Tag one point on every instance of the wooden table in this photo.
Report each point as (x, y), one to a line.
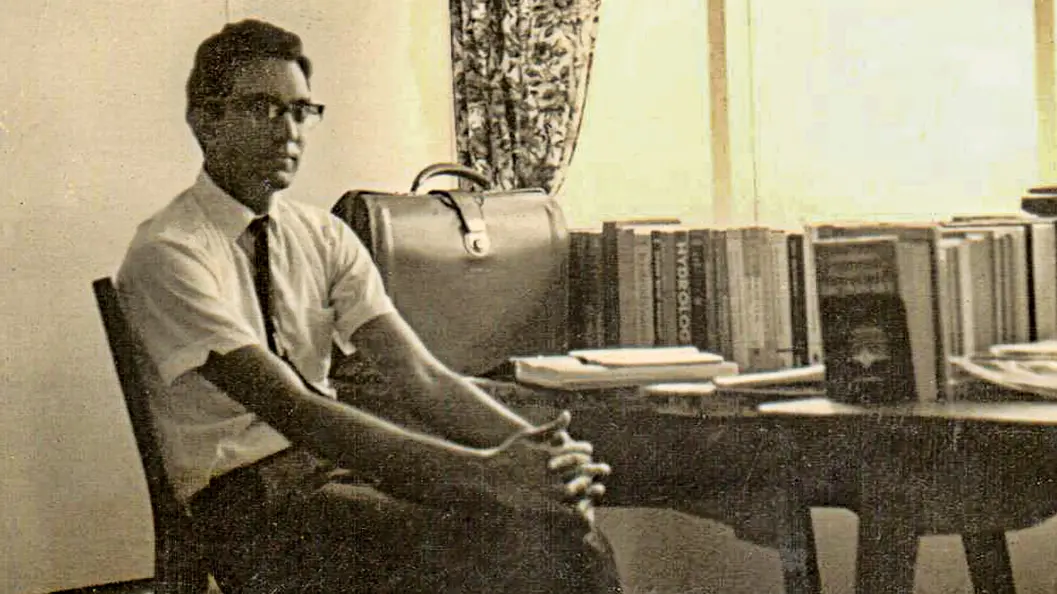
(969, 468)
(977, 469)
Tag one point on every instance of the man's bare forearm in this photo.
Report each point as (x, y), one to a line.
(467, 414)
(349, 436)
(424, 389)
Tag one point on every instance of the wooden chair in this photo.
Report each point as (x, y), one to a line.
(179, 565)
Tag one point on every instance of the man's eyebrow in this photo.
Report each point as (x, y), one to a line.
(270, 97)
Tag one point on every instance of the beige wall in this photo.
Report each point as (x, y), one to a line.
(93, 140)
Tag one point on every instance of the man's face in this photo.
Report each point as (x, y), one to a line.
(257, 150)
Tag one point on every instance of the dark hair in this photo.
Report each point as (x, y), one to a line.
(221, 55)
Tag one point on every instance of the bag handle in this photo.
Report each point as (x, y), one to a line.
(453, 169)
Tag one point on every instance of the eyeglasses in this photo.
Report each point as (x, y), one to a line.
(269, 110)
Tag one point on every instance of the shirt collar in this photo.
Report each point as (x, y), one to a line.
(229, 215)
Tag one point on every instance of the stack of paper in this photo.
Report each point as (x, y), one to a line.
(621, 367)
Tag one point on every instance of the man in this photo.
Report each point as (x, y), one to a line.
(240, 294)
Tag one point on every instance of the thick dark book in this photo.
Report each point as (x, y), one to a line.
(797, 298)
(663, 243)
(576, 316)
(611, 279)
(618, 252)
(698, 258)
(864, 321)
(593, 292)
(586, 289)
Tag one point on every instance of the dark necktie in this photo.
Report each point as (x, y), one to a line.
(262, 277)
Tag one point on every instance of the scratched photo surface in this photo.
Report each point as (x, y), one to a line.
(718, 114)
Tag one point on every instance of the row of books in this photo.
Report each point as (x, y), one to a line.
(884, 306)
(737, 292)
(897, 303)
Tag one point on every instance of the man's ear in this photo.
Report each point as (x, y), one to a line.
(204, 120)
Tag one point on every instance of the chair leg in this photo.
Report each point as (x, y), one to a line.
(987, 555)
(799, 554)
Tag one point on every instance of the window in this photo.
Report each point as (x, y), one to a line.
(837, 109)
(644, 141)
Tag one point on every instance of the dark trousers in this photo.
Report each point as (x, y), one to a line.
(285, 526)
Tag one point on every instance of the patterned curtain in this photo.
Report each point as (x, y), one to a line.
(520, 75)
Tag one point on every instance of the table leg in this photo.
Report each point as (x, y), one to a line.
(798, 553)
(887, 554)
(987, 555)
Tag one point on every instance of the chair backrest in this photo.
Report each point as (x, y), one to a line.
(179, 566)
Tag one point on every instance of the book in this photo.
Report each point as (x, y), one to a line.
(593, 290)
(617, 263)
(781, 300)
(719, 294)
(631, 357)
(865, 325)
(566, 372)
(683, 295)
(644, 307)
(734, 299)
(663, 244)
(797, 298)
(576, 317)
(700, 265)
(753, 299)
(923, 297)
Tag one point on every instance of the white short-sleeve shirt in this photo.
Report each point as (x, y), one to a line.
(187, 288)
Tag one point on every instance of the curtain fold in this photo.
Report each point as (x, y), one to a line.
(521, 69)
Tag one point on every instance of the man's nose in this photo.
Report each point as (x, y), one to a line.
(290, 128)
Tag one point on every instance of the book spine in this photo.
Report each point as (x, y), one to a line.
(576, 317)
(683, 300)
(664, 295)
(712, 319)
(721, 295)
(611, 282)
(628, 314)
(780, 297)
(1043, 256)
(697, 240)
(752, 300)
(642, 309)
(1022, 286)
(735, 299)
(594, 288)
(656, 244)
(942, 320)
(797, 299)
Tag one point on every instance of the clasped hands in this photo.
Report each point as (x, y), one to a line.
(543, 469)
